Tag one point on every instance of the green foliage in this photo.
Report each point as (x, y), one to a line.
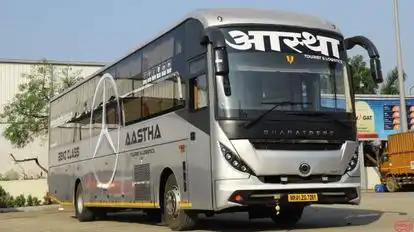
(361, 76)
(32, 201)
(391, 84)
(27, 114)
(29, 200)
(8, 201)
(20, 201)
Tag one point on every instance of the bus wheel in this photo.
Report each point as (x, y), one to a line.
(288, 216)
(175, 218)
(83, 213)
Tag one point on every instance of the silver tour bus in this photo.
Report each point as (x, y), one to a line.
(230, 110)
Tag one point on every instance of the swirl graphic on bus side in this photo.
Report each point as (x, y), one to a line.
(104, 127)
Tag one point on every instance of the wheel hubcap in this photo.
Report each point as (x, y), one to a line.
(172, 202)
(391, 184)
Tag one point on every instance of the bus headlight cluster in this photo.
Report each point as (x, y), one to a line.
(234, 160)
(353, 162)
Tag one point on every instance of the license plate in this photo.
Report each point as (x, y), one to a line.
(305, 197)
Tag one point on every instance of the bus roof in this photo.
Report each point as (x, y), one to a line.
(231, 16)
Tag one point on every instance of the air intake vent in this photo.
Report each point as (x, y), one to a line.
(142, 184)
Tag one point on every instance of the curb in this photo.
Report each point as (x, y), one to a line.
(29, 208)
(368, 190)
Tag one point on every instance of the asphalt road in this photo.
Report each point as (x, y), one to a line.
(378, 212)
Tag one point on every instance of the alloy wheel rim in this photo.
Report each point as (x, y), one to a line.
(172, 202)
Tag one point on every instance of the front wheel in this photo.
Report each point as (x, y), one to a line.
(176, 218)
(83, 213)
(288, 216)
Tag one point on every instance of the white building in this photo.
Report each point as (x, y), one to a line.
(10, 78)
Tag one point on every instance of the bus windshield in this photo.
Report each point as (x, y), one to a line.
(259, 77)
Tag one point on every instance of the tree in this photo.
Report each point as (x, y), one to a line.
(26, 116)
(391, 85)
(361, 76)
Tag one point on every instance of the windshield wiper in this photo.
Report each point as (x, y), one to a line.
(320, 114)
(276, 104)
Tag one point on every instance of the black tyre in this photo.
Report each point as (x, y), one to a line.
(288, 216)
(175, 218)
(83, 213)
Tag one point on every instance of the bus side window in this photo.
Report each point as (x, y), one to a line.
(199, 96)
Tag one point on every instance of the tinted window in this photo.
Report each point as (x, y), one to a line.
(194, 32)
(160, 98)
(166, 55)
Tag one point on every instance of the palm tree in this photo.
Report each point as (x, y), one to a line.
(361, 76)
(391, 85)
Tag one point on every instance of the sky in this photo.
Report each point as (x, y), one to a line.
(105, 30)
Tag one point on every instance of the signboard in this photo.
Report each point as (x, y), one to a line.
(365, 120)
(379, 116)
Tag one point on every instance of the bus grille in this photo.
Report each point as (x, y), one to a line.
(294, 179)
(295, 146)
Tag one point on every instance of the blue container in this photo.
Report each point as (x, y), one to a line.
(380, 188)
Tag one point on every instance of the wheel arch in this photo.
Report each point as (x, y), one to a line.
(166, 172)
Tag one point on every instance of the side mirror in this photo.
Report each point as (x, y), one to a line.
(221, 67)
(376, 73)
(375, 63)
(215, 37)
(221, 64)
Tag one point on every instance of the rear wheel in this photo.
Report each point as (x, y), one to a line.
(83, 213)
(288, 216)
(173, 216)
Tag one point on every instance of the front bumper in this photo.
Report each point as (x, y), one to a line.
(251, 192)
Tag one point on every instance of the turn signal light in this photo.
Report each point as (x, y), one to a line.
(238, 198)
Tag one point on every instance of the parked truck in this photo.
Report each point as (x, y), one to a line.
(397, 168)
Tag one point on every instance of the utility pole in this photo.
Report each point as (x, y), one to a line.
(403, 107)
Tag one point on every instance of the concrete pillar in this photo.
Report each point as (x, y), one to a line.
(364, 178)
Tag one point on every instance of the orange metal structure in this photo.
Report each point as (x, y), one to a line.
(397, 168)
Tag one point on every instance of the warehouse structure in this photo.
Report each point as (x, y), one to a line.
(11, 72)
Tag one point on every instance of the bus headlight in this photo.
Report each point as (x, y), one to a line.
(234, 160)
(353, 163)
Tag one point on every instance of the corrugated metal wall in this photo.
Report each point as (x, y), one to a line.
(10, 79)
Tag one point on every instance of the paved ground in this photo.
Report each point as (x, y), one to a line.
(378, 212)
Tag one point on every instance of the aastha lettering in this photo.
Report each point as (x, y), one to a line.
(143, 134)
(316, 43)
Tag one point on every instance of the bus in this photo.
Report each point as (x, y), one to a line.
(229, 110)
